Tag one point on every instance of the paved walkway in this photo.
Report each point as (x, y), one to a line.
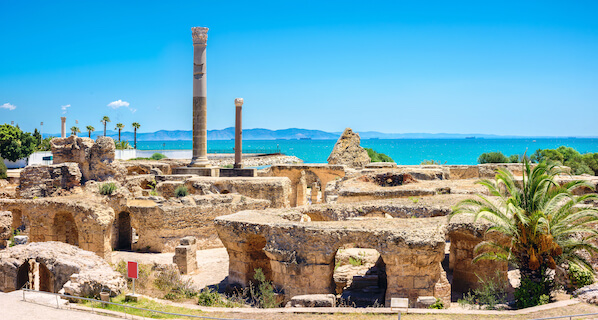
(12, 306)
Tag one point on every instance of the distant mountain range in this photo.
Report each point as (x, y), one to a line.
(289, 134)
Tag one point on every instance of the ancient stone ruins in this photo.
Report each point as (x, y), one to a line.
(346, 232)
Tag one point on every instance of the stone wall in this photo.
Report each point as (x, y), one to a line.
(85, 224)
(5, 228)
(324, 173)
(299, 256)
(464, 236)
(46, 180)
(95, 159)
(52, 266)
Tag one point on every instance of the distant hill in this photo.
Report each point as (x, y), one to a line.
(287, 134)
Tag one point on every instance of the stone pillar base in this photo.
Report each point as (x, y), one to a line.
(238, 172)
(203, 172)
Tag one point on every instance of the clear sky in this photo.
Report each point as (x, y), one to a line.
(494, 67)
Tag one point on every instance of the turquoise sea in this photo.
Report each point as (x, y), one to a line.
(403, 151)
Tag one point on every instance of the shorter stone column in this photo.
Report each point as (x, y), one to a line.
(63, 127)
(238, 134)
(185, 255)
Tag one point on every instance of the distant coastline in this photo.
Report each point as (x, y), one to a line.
(302, 134)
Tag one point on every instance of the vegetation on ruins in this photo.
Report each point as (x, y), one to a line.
(378, 157)
(155, 156)
(431, 163)
(580, 277)
(75, 130)
(104, 121)
(135, 126)
(544, 222)
(181, 191)
(262, 292)
(437, 305)
(15, 144)
(107, 188)
(90, 129)
(168, 279)
(566, 156)
(491, 291)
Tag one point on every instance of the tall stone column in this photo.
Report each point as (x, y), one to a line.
(63, 127)
(238, 133)
(200, 132)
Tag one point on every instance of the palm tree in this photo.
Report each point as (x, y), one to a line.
(119, 126)
(74, 130)
(105, 120)
(542, 219)
(135, 126)
(90, 129)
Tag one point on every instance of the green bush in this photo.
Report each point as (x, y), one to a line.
(157, 156)
(492, 157)
(2, 169)
(169, 279)
(181, 191)
(107, 188)
(566, 156)
(263, 295)
(437, 305)
(378, 157)
(580, 277)
(530, 294)
(489, 293)
(15, 144)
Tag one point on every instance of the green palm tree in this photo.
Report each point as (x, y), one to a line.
(74, 130)
(90, 129)
(543, 220)
(105, 120)
(135, 126)
(119, 126)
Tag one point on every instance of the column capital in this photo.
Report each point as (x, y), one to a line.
(239, 102)
(200, 35)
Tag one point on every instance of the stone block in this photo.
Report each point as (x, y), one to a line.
(425, 301)
(238, 172)
(313, 300)
(19, 240)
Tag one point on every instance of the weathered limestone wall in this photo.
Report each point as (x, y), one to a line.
(464, 236)
(276, 190)
(299, 256)
(160, 225)
(81, 223)
(45, 180)
(95, 159)
(5, 228)
(325, 173)
(79, 272)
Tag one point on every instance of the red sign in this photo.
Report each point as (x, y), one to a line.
(132, 270)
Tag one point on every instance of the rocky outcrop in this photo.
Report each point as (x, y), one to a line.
(5, 228)
(56, 266)
(95, 160)
(347, 151)
(46, 180)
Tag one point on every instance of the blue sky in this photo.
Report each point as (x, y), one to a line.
(494, 67)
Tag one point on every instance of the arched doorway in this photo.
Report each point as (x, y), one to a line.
(65, 229)
(124, 231)
(46, 279)
(23, 275)
(360, 277)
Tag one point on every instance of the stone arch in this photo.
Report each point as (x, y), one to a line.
(360, 275)
(124, 231)
(65, 229)
(23, 276)
(314, 183)
(257, 257)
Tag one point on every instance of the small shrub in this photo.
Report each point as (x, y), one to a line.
(489, 293)
(209, 298)
(153, 193)
(544, 299)
(122, 145)
(169, 279)
(228, 166)
(107, 188)
(431, 163)
(263, 295)
(437, 305)
(181, 191)
(530, 294)
(355, 261)
(414, 199)
(580, 277)
(3, 169)
(157, 156)
(492, 157)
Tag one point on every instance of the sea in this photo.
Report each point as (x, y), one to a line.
(402, 151)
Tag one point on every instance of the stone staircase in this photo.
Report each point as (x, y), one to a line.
(365, 290)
